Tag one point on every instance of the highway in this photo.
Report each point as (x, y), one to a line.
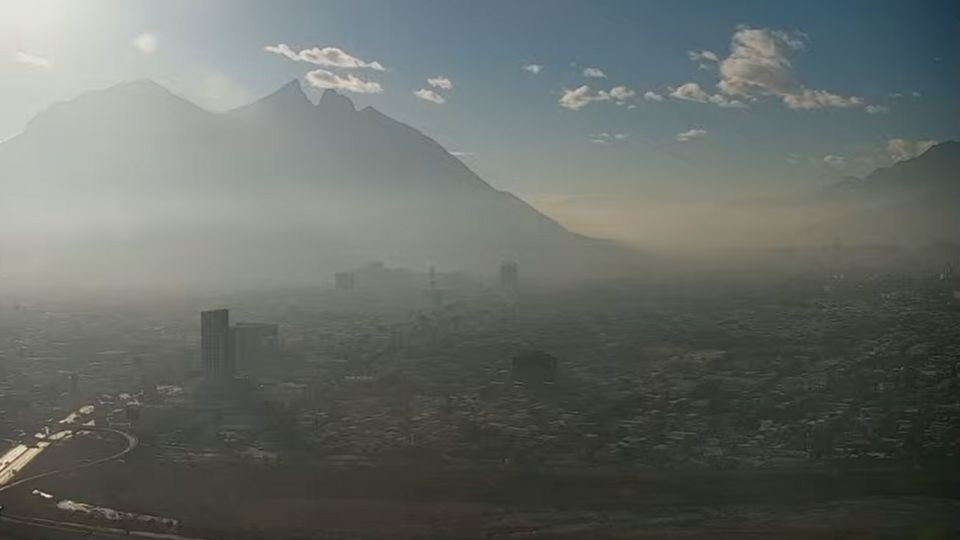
(131, 444)
(80, 530)
(17, 458)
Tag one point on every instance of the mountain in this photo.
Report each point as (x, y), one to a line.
(934, 172)
(136, 183)
(913, 202)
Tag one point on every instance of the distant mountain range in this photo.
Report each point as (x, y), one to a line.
(136, 181)
(911, 203)
(135, 184)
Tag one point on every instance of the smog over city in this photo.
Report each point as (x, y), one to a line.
(479, 269)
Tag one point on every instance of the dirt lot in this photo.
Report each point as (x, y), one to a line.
(278, 502)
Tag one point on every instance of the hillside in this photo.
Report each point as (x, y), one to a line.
(138, 183)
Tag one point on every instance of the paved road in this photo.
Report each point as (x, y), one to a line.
(19, 458)
(68, 529)
(131, 444)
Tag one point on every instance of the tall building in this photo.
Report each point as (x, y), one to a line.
(216, 351)
(509, 277)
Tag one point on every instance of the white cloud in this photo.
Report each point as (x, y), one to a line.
(703, 56)
(692, 91)
(580, 97)
(793, 159)
(818, 99)
(33, 60)
(463, 154)
(876, 109)
(326, 56)
(759, 65)
(604, 137)
(440, 82)
(532, 68)
(147, 43)
(284, 50)
(652, 96)
(691, 134)
(622, 93)
(705, 59)
(834, 161)
(321, 78)
(723, 101)
(901, 149)
(594, 72)
(430, 95)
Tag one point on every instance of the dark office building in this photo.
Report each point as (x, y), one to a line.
(534, 367)
(255, 344)
(215, 345)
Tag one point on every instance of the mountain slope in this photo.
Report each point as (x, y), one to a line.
(138, 183)
(912, 202)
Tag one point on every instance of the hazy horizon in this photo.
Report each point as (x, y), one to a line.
(629, 127)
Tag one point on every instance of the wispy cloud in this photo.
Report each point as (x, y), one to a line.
(321, 78)
(333, 57)
(692, 91)
(650, 95)
(594, 73)
(577, 98)
(430, 95)
(440, 82)
(876, 109)
(37, 61)
(701, 56)
(604, 137)
(622, 93)
(532, 68)
(705, 59)
(834, 160)
(691, 134)
(146, 42)
(901, 149)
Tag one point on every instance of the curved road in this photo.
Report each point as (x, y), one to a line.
(105, 532)
(131, 444)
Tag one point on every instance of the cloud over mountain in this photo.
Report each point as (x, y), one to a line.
(334, 57)
(321, 78)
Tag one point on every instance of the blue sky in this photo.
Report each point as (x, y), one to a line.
(842, 81)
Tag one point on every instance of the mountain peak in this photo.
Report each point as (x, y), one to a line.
(136, 89)
(289, 99)
(331, 100)
(149, 85)
(288, 95)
